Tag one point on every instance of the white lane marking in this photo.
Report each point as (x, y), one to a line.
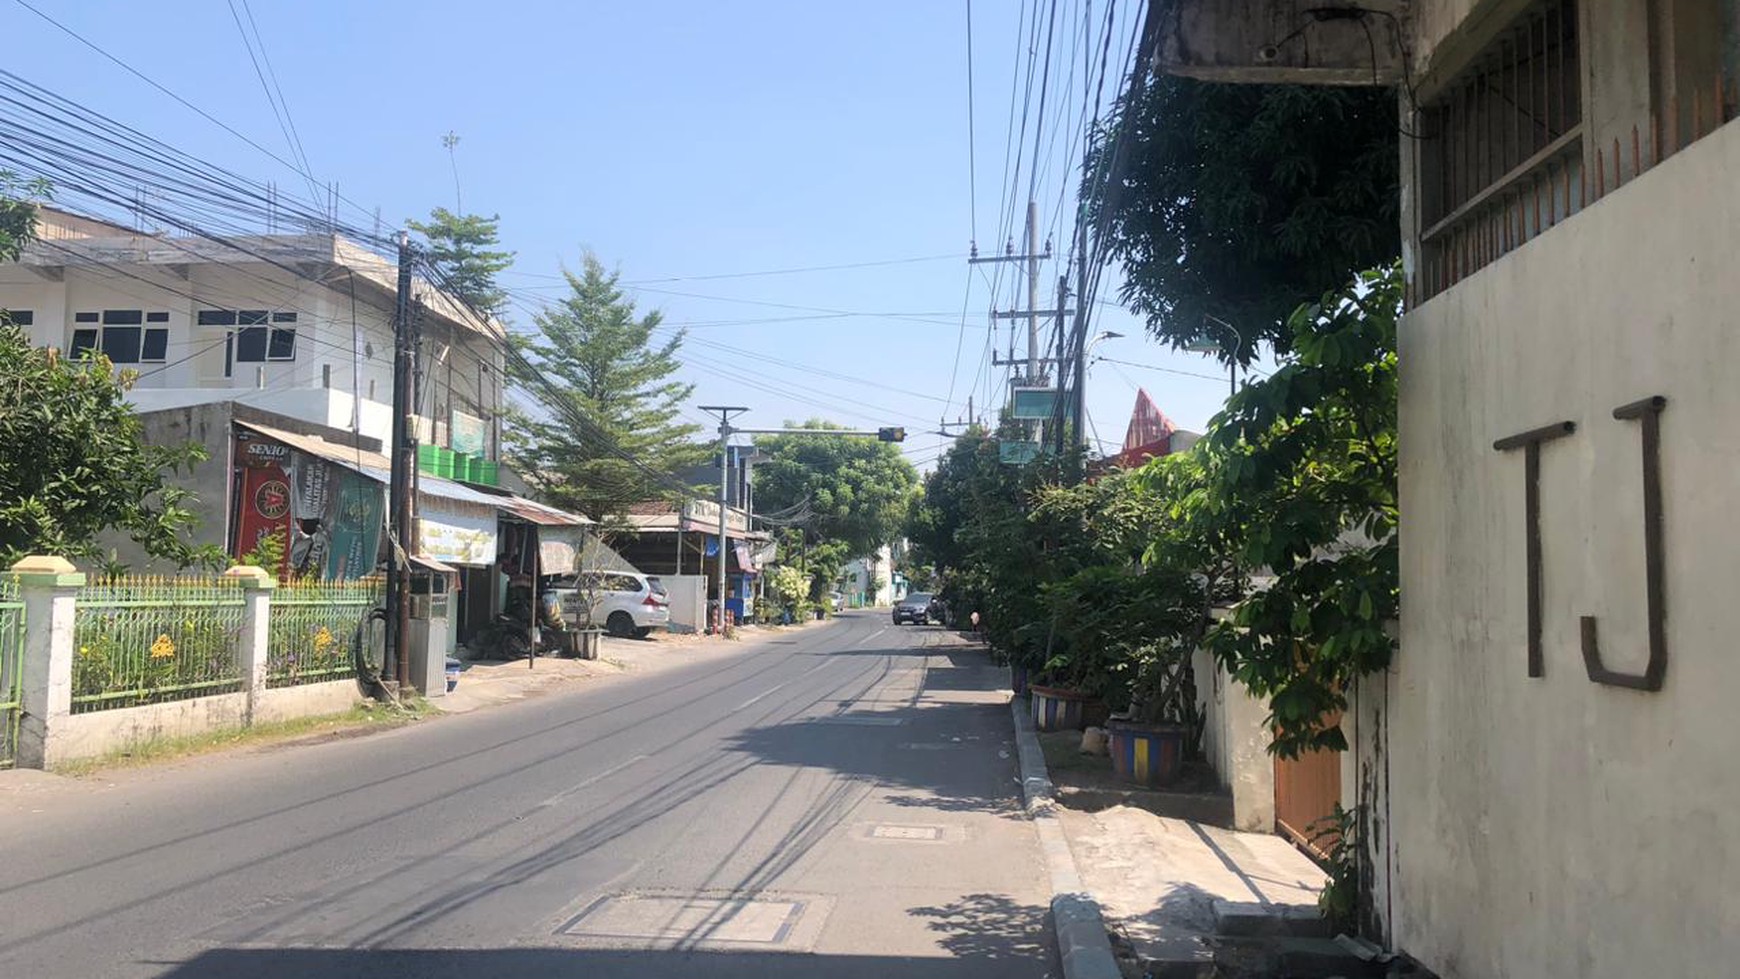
(816, 667)
(871, 636)
(601, 776)
(758, 696)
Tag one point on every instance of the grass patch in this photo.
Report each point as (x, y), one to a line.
(359, 720)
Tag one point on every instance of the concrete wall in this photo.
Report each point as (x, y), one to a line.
(106, 732)
(1553, 827)
(275, 705)
(1236, 742)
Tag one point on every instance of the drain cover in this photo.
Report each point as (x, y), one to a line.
(685, 919)
(889, 831)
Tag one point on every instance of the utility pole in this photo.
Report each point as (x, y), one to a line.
(403, 459)
(1032, 313)
(725, 412)
(1062, 372)
(1032, 291)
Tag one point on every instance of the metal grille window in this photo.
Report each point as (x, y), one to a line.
(1502, 144)
(1509, 114)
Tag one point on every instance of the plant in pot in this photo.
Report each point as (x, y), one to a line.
(1163, 725)
(1084, 651)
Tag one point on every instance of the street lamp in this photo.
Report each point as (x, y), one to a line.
(1203, 345)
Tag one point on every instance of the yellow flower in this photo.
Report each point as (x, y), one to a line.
(163, 648)
(323, 639)
(84, 650)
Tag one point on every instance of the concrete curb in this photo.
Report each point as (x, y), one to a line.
(1082, 944)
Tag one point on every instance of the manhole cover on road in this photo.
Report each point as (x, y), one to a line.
(889, 831)
(678, 918)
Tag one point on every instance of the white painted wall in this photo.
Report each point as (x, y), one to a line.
(859, 572)
(1236, 742)
(1552, 827)
(344, 349)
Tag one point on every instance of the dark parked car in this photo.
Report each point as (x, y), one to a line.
(914, 608)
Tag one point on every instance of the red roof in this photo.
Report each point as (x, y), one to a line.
(1149, 434)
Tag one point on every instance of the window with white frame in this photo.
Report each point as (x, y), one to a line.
(125, 336)
(256, 336)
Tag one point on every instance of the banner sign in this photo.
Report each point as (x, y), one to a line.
(328, 518)
(453, 533)
(357, 515)
(264, 511)
(465, 433)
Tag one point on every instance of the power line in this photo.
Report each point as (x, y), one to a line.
(280, 108)
(182, 101)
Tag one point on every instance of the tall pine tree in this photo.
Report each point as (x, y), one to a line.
(608, 434)
(462, 246)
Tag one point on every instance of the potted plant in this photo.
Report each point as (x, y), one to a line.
(1149, 743)
(1082, 648)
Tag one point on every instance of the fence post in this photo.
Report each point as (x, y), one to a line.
(257, 588)
(49, 588)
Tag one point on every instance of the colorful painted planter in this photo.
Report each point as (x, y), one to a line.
(1146, 754)
(1055, 709)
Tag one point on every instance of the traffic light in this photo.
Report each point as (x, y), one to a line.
(891, 434)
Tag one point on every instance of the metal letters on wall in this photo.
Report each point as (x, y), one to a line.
(1648, 413)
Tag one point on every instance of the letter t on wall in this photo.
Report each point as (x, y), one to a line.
(1530, 442)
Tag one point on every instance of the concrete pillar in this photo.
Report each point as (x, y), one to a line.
(49, 588)
(257, 587)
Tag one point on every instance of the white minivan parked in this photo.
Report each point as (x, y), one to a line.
(625, 603)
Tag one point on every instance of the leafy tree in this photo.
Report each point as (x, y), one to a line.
(18, 200)
(462, 248)
(1297, 478)
(76, 463)
(609, 434)
(1237, 203)
(858, 489)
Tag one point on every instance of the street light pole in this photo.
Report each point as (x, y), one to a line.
(725, 413)
(1232, 368)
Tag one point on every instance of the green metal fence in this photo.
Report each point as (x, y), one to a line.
(11, 668)
(146, 640)
(312, 627)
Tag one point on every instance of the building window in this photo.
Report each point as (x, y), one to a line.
(258, 336)
(1517, 108)
(121, 336)
(1502, 146)
(18, 317)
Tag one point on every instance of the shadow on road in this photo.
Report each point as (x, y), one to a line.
(575, 963)
(956, 756)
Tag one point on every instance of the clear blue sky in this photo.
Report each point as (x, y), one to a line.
(674, 140)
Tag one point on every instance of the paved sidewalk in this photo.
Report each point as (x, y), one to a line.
(1157, 878)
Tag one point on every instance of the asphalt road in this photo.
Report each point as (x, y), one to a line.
(840, 801)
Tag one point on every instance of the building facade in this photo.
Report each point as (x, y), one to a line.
(299, 325)
(1545, 771)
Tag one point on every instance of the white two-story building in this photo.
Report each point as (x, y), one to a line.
(295, 324)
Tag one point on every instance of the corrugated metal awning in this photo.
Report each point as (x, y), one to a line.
(379, 468)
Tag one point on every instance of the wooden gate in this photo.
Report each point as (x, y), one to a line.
(1307, 789)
